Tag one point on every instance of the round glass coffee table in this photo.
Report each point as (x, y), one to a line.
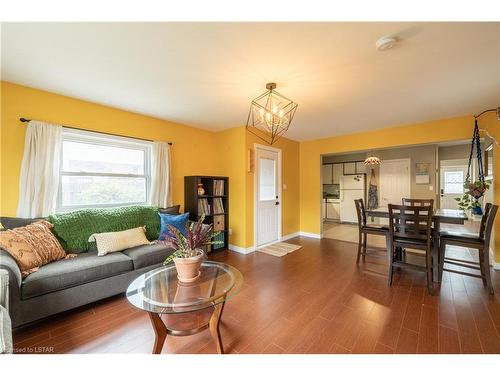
(187, 308)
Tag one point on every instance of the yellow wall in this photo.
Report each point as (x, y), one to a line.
(231, 161)
(195, 151)
(192, 151)
(233, 157)
(430, 132)
(202, 152)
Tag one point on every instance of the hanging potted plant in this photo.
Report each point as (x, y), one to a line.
(473, 192)
(189, 253)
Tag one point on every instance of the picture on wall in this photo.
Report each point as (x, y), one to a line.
(422, 173)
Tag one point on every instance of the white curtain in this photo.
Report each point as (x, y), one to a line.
(39, 179)
(161, 181)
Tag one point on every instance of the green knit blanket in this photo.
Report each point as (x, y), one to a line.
(74, 228)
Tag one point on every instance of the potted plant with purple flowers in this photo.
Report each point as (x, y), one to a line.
(189, 253)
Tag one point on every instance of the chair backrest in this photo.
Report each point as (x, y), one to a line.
(418, 202)
(487, 220)
(360, 210)
(410, 222)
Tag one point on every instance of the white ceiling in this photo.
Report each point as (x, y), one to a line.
(205, 74)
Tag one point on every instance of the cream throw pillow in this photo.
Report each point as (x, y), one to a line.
(117, 241)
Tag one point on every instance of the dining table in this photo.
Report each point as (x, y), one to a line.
(440, 215)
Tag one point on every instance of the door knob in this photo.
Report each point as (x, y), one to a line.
(277, 203)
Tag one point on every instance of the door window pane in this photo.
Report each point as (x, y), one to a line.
(453, 182)
(267, 179)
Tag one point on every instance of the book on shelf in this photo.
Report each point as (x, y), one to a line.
(203, 207)
(218, 206)
(218, 187)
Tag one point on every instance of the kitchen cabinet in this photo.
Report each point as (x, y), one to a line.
(360, 167)
(350, 168)
(326, 173)
(332, 210)
(338, 170)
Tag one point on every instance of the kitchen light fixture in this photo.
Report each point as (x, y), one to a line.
(270, 115)
(372, 160)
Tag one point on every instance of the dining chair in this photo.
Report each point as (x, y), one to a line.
(480, 241)
(365, 230)
(417, 202)
(410, 228)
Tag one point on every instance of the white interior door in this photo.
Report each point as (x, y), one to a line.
(267, 195)
(452, 184)
(394, 181)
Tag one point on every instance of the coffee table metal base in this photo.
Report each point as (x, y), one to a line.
(162, 331)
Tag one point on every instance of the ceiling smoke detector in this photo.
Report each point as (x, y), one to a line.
(385, 43)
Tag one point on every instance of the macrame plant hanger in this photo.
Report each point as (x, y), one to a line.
(476, 193)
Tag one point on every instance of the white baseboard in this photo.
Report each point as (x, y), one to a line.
(251, 249)
(290, 236)
(310, 235)
(241, 250)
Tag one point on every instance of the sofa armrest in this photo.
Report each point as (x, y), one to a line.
(4, 288)
(15, 277)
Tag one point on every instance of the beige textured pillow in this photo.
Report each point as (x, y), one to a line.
(32, 246)
(117, 241)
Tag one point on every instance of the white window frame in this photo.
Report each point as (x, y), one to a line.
(83, 136)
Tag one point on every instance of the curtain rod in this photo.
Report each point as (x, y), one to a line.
(22, 119)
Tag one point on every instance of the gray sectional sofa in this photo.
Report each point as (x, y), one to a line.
(70, 283)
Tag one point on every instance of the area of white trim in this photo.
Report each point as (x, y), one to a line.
(290, 236)
(241, 250)
(310, 235)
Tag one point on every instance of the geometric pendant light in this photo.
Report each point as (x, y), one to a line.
(270, 115)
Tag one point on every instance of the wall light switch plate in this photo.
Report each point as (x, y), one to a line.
(431, 188)
(230, 231)
(284, 186)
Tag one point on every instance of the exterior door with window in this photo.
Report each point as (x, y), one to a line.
(452, 185)
(267, 196)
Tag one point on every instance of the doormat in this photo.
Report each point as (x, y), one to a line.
(279, 249)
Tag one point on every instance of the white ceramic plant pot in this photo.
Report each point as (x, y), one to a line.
(188, 269)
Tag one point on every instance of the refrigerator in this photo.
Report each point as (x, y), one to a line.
(351, 187)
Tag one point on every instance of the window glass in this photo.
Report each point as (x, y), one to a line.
(101, 171)
(267, 179)
(453, 182)
(88, 157)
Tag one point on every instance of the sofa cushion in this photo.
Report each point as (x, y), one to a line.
(112, 242)
(66, 273)
(15, 222)
(32, 246)
(148, 255)
(74, 228)
(172, 210)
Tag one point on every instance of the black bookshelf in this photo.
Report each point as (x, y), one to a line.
(220, 220)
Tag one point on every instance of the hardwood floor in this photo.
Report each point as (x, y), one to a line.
(314, 300)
